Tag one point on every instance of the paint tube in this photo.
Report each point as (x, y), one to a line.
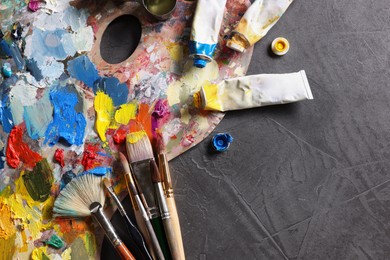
(205, 30)
(256, 22)
(254, 91)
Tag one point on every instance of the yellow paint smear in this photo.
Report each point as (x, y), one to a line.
(135, 136)
(125, 113)
(38, 252)
(7, 247)
(7, 228)
(192, 80)
(104, 107)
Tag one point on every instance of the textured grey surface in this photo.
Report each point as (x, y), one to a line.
(309, 180)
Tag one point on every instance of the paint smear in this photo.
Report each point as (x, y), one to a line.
(67, 124)
(6, 116)
(7, 229)
(38, 117)
(18, 151)
(66, 178)
(105, 110)
(92, 157)
(38, 181)
(78, 249)
(134, 137)
(145, 118)
(113, 88)
(59, 157)
(81, 68)
(125, 113)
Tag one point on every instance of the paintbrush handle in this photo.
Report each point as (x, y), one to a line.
(138, 215)
(176, 227)
(124, 253)
(171, 237)
(97, 212)
(153, 237)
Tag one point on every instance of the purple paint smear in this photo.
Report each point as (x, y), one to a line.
(67, 124)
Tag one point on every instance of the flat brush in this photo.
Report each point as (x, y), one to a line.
(132, 188)
(164, 211)
(135, 233)
(83, 196)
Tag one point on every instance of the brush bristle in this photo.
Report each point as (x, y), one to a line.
(77, 196)
(139, 150)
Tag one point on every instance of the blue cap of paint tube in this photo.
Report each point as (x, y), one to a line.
(200, 63)
(221, 142)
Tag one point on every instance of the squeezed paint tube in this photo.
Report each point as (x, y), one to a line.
(205, 30)
(254, 91)
(256, 22)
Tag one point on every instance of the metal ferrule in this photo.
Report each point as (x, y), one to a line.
(98, 214)
(164, 211)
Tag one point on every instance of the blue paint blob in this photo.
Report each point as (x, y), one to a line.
(66, 178)
(67, 124)
(221, 142)
(2, 155)
(112, 87)
(7, 70)
(38, 117)
(83, 69)
(100, 171)
(34, 70)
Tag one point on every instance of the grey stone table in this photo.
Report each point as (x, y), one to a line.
(309, 180)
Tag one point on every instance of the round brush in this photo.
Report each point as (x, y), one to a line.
(83, 197)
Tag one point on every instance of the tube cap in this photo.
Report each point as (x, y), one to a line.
(199, 63)
(280, 46)
(221, 142)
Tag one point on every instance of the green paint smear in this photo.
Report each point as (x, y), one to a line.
(44, 257)
(78, 250)
(38, 181)
(90, 244)
(55, 242)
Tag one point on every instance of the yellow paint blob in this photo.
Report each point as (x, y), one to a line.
(135, 136)
(7, 247)
(104, 107)
(125, 113)
(38, 252)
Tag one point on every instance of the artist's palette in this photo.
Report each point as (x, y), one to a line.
(64, 108)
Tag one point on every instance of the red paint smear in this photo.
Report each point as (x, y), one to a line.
(18, 151)
(145, 118)
(91, 158)
(120, 134)
(59, 156)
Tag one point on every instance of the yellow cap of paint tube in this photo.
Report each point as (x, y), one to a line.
(280, 46)
(238, 42)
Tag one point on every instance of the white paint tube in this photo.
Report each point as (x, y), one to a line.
(205, 30)
(254, 91)
(260, 17)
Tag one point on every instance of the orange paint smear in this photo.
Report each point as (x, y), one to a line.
(145, 118)
(18, 151)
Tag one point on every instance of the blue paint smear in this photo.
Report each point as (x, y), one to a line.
(100, 171)
(2, 155)
(67, 124)
(17, 56)
(34, 70)
(5, 51)
(66, 178)
(38, 117)
(111, 86)
(5, 114)
(83, 69)
(49, 44)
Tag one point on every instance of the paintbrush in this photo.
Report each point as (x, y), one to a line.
(140, 154)
(164, 211)
(135, 233)
(140, 210)
(170, 199)
(83, 196)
